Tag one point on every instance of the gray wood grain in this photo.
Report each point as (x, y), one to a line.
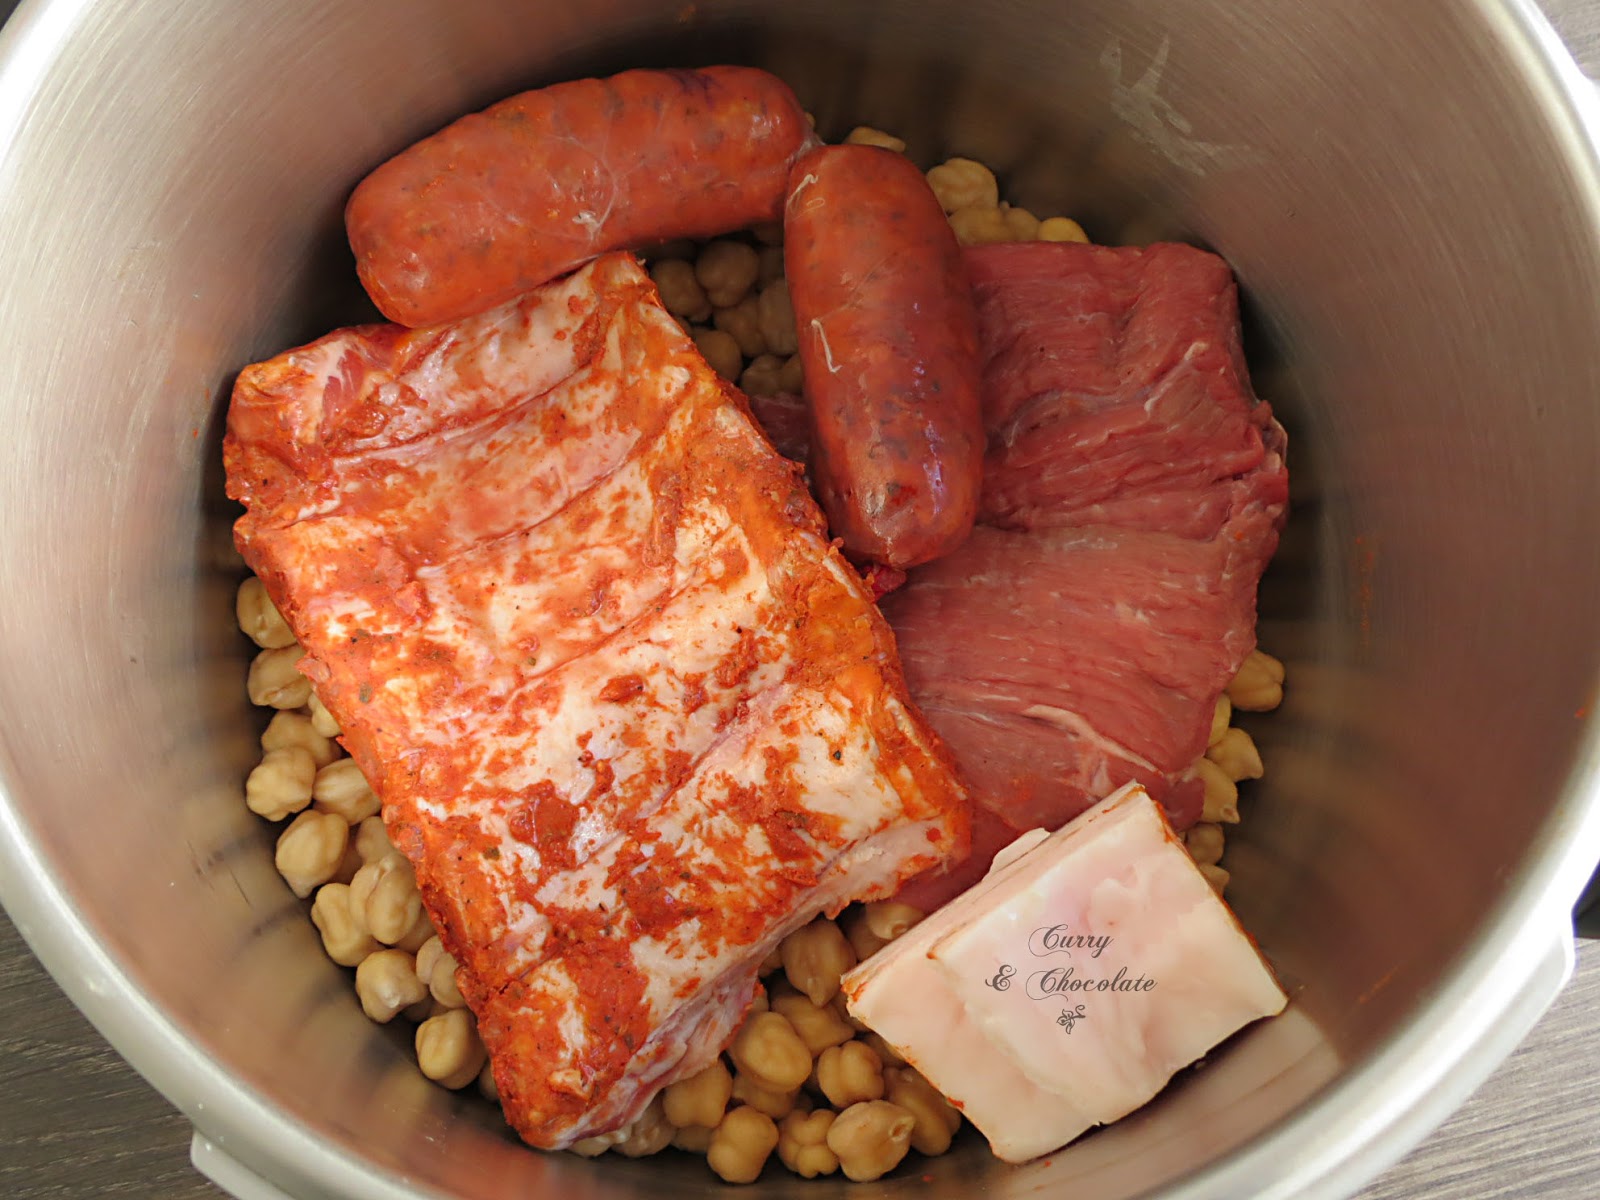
(1534, 1129)
(76, 1121)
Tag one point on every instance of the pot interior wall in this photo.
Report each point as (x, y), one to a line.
(1421, 286)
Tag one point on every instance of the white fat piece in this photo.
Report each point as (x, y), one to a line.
(1071, 983)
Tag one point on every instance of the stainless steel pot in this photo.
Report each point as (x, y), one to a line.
(1411, 196)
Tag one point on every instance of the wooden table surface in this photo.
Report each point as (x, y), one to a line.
(76, 1121)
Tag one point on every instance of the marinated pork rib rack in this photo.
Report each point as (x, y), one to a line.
(631, 718)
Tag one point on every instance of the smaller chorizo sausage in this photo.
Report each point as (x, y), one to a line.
(889, 341)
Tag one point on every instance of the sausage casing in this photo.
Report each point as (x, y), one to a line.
(538, 184)
(889, 341)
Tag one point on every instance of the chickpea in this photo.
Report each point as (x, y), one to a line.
(763, 377)
(344, 937)
(1222, 794)
(1022, 224)
(963, 183)
(372, 840)
(322, 720)
(449, 1051)
(649, 1133)
(1258, 687)
(349, 864)
(1216, 876)
(309, 851)
(1205, 842)
(871, 1138)
(849, 1074)
(758, 1003)
(386, 982)
(815, 957)
(741, 1145)
(275, 680)
(980, 225)
(366, 878)
(341, 789)
(803, 1143)
(1061, 229)
(768, 1049)
(487, 1087)
(862, 940)
(774, 1103)
(436, 967)
(416, 938)
(290, 728)
(886, 1053)
(818, 1028)
(771, 269)
(776, 315)
(592, 1147)
(865, 135)
(720, 351)
(1235, 752)
(727, 270)
(1220, 716)
(937, 1120)
(280, 783)
(701, 1099)
(259, 618)
(681, 293)
(387, 893)
(742, 322)
(871, 927)
(696, 1139)
(890, 919)
(772, 962)
(792, 379)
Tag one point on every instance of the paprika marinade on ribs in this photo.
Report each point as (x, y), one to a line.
(631, 718)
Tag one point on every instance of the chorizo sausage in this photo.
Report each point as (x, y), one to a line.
(538, 184)
(889, 341)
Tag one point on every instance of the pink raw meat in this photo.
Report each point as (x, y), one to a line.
(1116, 393)
(1133, 492)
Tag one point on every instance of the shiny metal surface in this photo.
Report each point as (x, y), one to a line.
(1414, 210)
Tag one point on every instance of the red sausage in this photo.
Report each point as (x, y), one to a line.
(509, 198)
(889, 342)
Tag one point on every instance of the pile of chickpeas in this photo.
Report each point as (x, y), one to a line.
(333, 848)
(1230, 759)
(802, 1078)
(731, 297)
